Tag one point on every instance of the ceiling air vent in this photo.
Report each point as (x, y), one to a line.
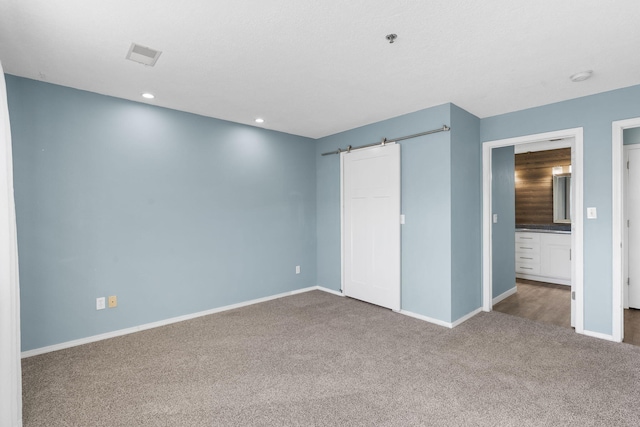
(143, 54)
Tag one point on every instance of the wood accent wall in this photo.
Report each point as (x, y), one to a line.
(534, 184)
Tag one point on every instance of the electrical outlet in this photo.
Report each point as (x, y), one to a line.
(100, 303)
(297, 269)
(113, 301)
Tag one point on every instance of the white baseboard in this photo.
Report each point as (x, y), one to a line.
(286, 294)
(120, 332)
(466, 317)
(505, 295)
(598, 335)
(427, 319)
(439, 322)
(546, 279)
(331, 291)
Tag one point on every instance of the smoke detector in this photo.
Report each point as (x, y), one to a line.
(143, 55)
(582, 76)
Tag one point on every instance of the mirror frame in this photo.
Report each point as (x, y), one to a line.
(557, 201)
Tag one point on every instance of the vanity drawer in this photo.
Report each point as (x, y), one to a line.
(527, 248)
(522, 268)
(527, 258)
(523, 237)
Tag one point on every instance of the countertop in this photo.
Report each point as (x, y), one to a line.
(544, 228)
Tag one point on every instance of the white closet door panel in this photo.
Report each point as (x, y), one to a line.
(371, 225)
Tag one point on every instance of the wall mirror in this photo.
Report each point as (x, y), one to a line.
(562, 198)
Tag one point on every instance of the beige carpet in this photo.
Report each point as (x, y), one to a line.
(319, 359)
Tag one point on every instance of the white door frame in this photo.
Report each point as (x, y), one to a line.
(625, 230)
(10, 371)
(617, 216)
(577, 273)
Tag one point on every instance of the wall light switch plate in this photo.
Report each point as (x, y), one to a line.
(100, 303)
(297, 269)
(402, 219)
(495, 218)
(113, 301)
(592, 213)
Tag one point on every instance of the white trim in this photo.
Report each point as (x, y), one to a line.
(487, 242)
(426, 318)
(331, 291)
(577, 235)
(282, 295)
(598, 335)
(10, 367)
(577, 226)
(541, 146)
(342, 282)
(438, 322)
(625, 230)
(165, 322)
(127, 331)
(617, 212)
(546, 279)
(466, 317)
(505, 295)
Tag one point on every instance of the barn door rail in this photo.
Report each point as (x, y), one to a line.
(384, 141)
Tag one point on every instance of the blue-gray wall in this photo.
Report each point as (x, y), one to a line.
(172, 212)
(503, 232)
(595, 114)
(441, 201)
(426, 188)
(177, 213)
(466, 213)
(426, 204)
(631, 136)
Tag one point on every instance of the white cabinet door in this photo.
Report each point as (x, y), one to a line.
(545, 257)
(371, 225)
(556, 256)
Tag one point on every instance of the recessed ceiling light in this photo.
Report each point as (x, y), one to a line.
(259, 120)
(581, 76)
(148, 95)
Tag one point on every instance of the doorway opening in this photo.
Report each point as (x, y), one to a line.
(541, 178)
(543, 141)
(625, 218)
(542, 302)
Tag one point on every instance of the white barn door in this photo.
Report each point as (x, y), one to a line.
(371, 225)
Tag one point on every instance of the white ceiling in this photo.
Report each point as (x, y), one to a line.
(318, 67)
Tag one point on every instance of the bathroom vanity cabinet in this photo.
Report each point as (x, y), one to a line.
(544, 255)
